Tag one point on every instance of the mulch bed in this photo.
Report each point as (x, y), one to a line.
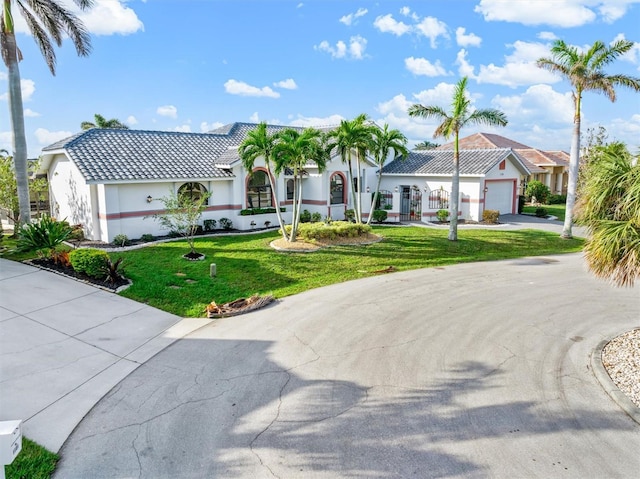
(50, 265)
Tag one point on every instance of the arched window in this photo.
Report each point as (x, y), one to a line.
(193, 191)
(289, 189)
(259, 190)
(337, 189)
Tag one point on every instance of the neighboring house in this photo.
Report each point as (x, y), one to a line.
(110, 181)
(420, 185)
(548, 167)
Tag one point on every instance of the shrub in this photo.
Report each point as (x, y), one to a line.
(557, 199)
(538, 190)
(45, 234)
(305, 216)
(267, 224)
(332, 231)
(316, 217)
(61, 258)
(90, 261)
(209, 224)
(349, 215)
(121, 240)
(541, 212)
(112, 270)
(147, 237)
(225, 223)
(260, 211)
(388, 206)
(77, 233)
(379, 215)
(490, 216)
(442, 215)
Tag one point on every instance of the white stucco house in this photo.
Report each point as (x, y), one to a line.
(111, 181)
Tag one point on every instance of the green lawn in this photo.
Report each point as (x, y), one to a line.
(33, 462)
(555, 210)
(246, 264)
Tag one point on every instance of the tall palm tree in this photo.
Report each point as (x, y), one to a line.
(385, 141)
(584, 70)
(609, 206)
(459, 117)
(260, 143)
(102, 122)
(293, 150)
(426, 145)
(353, 136)
(48, 21)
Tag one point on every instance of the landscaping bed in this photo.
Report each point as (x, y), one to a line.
(50, 265)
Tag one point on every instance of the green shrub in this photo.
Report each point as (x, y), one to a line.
(44, 234)
(305, 216)
(442, 215)
(77, 233)
(147, 237)
(112, 270)
(541, 212)
(388, 206)
(209, 224)
(121, 240)
(226, 223)
(332, 231)
(557, 199)
(259, 211)
(349, 215)
(490, 216)
(538, 190)
(316, 217)
(90, 261)
(379, 216)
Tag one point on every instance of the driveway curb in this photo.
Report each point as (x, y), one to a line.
(601, 374)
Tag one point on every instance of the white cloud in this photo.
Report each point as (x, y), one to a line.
(519, 69)
(387, 24)
(613, 10)
(539, 104)
(30, 113)
(627, 130)
(108, 17)
(348, 19)
(563, 13)
(440, 95)
(549, 36)
(406, 12)
(305, 121)
(464, 40)
(131, 120)
(186, 128)
(167, 110)
(3, 76)
(46, 137)
(422, 66)
(300, 5)
(6, 138)
(28, 88)
(205, 127)
(355, 50)
(633, 55)
(235, 87)
(432, 28)
(254, 118)
(288, 84)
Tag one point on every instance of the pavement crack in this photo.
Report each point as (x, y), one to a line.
(106, 322)
(135, 449)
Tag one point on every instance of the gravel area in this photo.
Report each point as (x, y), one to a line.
(621, 359)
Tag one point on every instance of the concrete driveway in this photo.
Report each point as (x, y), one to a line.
(474, 370)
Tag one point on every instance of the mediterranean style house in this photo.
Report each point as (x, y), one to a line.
(111, 181)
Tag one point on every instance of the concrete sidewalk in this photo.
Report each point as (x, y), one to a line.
(65, 344)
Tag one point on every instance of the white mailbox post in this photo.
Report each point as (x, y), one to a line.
(10, 443)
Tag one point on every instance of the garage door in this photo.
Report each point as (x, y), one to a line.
(499, 196)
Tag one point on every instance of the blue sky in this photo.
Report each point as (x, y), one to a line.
(192, 65)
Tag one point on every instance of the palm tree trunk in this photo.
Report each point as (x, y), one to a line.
(375, 197)
(351, 187)
(274, 189)
(574, 164)
(455, 193)
(17, 127)
(359, 196)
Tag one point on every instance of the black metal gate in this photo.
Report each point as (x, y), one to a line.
(411, 204)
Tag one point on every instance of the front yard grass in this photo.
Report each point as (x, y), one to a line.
(555, 210)
(247, 265)
(33, 462)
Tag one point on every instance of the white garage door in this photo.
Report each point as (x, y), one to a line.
(499, 196)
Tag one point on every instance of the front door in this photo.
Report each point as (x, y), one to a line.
(410, 204)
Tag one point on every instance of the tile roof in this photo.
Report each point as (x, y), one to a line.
(106, 155)
(440, 162)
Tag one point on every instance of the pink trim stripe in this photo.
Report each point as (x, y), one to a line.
(142, 214)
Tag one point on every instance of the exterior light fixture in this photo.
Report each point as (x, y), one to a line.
(368, 190)
(149, 199)
(396, 189)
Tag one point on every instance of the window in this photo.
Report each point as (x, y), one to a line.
(337, 189)
(439, 200)
(259, 190)
(289, 189)
(503, 165)
(193, 191)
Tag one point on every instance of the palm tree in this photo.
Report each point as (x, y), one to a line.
(47, 20)
(609, 206)
(102, 122)
(294, 150)
(260, 143)
(426, 145)
(353, 136)
(385, 141)
(459, 117)
(584, 70)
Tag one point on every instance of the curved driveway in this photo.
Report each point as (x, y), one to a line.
(474, 370)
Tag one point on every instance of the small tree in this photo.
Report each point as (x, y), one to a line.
(538, 190)
(9, 189)
(181, 215)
